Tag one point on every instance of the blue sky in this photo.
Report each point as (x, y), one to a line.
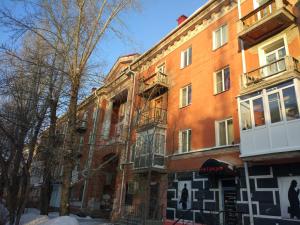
(144, 28)
(155, 20)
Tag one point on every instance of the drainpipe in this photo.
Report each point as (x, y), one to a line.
(91, 151)
(249, 193)
(128, 136)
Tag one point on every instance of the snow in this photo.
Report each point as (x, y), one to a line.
(33, 217)
(62, 220)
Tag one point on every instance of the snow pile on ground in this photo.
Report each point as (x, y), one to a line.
(62, 220)
(33, 217)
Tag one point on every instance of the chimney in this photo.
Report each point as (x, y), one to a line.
(181, 19)
(94, 89)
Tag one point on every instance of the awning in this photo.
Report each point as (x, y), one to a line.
(216, 168)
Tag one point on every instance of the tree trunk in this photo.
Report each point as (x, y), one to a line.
(48, 155)
(25, 190)
(69, 150)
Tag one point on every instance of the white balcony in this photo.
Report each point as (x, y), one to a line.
(270, 120)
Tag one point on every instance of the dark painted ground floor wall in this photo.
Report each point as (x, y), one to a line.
(199, 199)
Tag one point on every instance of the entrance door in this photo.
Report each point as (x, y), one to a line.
(154, 208)
(229, 202)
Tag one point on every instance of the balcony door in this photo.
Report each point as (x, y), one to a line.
(274, 58)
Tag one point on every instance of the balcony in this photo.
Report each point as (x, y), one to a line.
(81, 126)
(153, 86)
(270, 74)
(154, 162)
(270, 122)
(152, 117)
(265, 21)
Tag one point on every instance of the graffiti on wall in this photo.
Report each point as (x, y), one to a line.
(289, 189)
(184, 195)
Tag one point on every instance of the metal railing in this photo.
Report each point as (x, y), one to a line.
(135, 215)
(153, 116)
(259, 13)
(263, 11)
(212, 217)
(156, 78)
(287, 63)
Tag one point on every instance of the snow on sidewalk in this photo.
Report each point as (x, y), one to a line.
(33, 217)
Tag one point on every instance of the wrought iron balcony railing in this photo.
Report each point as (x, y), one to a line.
(276, 68)
(152, 116)
(154, 85)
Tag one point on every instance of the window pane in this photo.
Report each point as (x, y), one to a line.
(290, 103)
(184, 141)
(217, 38)
(219, 82)
(189, 140)
(183, 97)
(275, 108)
(281, 52)
(224, 34)
(227, 78)
(230, 132)
(185, 58)
(189, 94)
(258, 112)
(222, 133)
(190, 56)
(162, 144)
(245, 115)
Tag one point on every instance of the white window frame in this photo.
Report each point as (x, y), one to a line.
(188, 142)
(186, 97)
(264, 95)
(223, 80)
(217, 127)
(161, 68)
(186, 57)
(261, 49)
(222, 42)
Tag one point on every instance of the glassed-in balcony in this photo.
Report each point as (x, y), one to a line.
(150, 151)
(153, 86)
(265, 21)
(279, 70)
(270, 121)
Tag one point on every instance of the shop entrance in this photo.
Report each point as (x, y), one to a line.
(228, 203)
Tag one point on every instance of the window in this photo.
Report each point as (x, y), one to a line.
(185, 95)
(161, 68)
(185, 138)
(272, 57)
(258, 112)
(222, 80)
(132, 153)
(281, 102)
(186, 58)
(245, 115)
(224, 130)
(159, 144)
(220, 37)
(275, 107)
(290, 103)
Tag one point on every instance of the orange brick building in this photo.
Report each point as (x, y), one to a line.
(202, 127)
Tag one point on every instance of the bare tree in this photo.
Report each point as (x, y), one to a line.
(79, 26)
(22, 113)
